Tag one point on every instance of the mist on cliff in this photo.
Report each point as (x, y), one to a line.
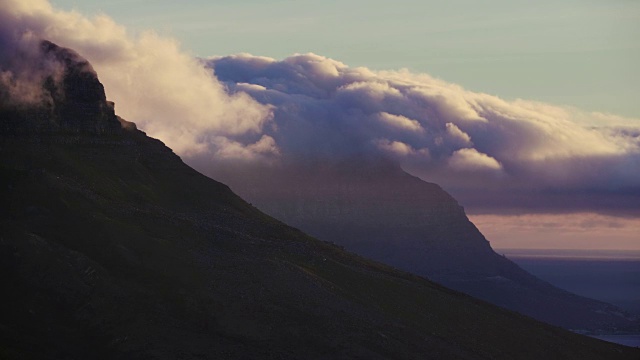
(153, 82)
(24, 69)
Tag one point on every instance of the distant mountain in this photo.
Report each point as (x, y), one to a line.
(377, 210)
(112, 248)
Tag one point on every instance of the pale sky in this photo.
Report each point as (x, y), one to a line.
(582, 53)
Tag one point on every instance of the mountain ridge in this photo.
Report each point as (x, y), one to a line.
(111, 247)
(383, 213)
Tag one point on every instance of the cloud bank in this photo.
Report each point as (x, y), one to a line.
(167, 92)
(493, 155)
(490, 152)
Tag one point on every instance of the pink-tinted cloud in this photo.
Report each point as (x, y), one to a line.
(494, 155)
(167, 92)
(470, 160)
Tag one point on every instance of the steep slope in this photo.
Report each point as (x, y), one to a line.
(111, 247)
(377, 210)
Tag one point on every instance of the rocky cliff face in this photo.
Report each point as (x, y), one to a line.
(72, 99)
(377, 210)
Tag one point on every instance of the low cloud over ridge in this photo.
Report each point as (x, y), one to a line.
(167, 92)
(514, 152)
(493, 155)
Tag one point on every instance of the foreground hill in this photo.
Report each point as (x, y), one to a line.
(111, 247)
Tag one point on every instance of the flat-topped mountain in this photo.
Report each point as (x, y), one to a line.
(112, 248)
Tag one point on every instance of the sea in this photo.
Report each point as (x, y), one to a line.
(611, 276)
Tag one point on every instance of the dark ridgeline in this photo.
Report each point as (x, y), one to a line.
(111, 247)
(75, 103)
(375, 209)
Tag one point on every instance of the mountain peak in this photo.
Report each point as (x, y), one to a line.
(58, 91)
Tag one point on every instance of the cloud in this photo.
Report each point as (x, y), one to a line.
(167, 92)
(516, 154)
(399, 150)
(469, 159)
(399, 122)
(455, 133)
(24, 67)
(493, 155)
(262, 149)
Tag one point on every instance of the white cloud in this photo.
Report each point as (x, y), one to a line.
(263, 149)
(399, 122)
(455, 133)
(167, 92)
(434, 129)
(398, 149)
(469, 159)
(309, 106)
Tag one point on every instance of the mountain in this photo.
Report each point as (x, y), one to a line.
(112, 248)
(377, 210)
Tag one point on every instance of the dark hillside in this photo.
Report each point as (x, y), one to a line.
(377, 210)
(112, 248)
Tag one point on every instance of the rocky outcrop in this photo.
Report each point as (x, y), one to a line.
(72, 100)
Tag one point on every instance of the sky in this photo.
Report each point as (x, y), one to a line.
(526, 112)
(581, 53)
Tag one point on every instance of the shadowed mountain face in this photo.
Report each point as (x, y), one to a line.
(379, 211)
(72, 99)
(111, 247)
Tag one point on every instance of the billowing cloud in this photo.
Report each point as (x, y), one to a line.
(491, 153)
(167, 92)
(230, 150)
(399, 150)
(400, 122)
(469, 159)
